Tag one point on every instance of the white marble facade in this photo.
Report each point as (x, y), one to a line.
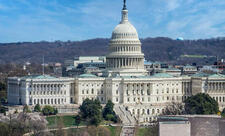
(41, 89)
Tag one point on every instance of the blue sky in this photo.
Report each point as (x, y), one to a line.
(50, 20)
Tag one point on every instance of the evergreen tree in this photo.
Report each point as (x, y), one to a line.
(108, 109)
(201, 104)
(91, 111)
(108, 112)
(223, 113)
(77, 120)
(37, 108)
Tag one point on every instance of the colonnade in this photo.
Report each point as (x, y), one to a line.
(133, 63)
(216, 87)
(129, 49)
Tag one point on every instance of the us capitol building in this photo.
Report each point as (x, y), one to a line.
(136, 95)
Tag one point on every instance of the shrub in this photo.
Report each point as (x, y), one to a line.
(49, 110)
(37, 108)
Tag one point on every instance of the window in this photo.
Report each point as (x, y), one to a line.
(116, 91)
(117, 99)
(153, 111)
(167, 90)
(92, 91)
(82, 91)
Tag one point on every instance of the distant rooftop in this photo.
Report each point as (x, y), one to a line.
(87, 76)
(208, 75)
(38, 77)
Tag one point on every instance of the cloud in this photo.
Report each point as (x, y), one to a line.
(32, 20)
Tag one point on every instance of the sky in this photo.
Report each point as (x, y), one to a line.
(74, 20)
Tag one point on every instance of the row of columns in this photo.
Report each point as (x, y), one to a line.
(216, 87)
(46, 87)
(47, 101)
(186, 88)
(125, 63)
(126, 49)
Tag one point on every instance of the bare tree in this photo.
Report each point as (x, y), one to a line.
(174, 108)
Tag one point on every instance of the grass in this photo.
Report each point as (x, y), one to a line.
(68, 120)
(115, 131)
(142, 131)
(92, 131)
(147, 131)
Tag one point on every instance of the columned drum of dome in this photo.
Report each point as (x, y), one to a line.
(125, 57)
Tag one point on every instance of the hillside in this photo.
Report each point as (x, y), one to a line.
(155, 49)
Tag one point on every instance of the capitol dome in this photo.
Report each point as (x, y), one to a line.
(125, 57)
(125, 29)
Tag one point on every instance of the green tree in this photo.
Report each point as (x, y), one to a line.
(91, 111)
(108, 109)
(108, 112)
(201, 104)
(2, 109)
(49, 110)
(77, 120)
(223, 113)
(2, 86)
(37, 108)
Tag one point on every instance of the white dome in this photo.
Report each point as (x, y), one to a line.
(124, 30)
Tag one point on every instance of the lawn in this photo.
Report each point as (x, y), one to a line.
(68, 120)
(142, 131)
(115, 131)
(147, 131)
(92, 131)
